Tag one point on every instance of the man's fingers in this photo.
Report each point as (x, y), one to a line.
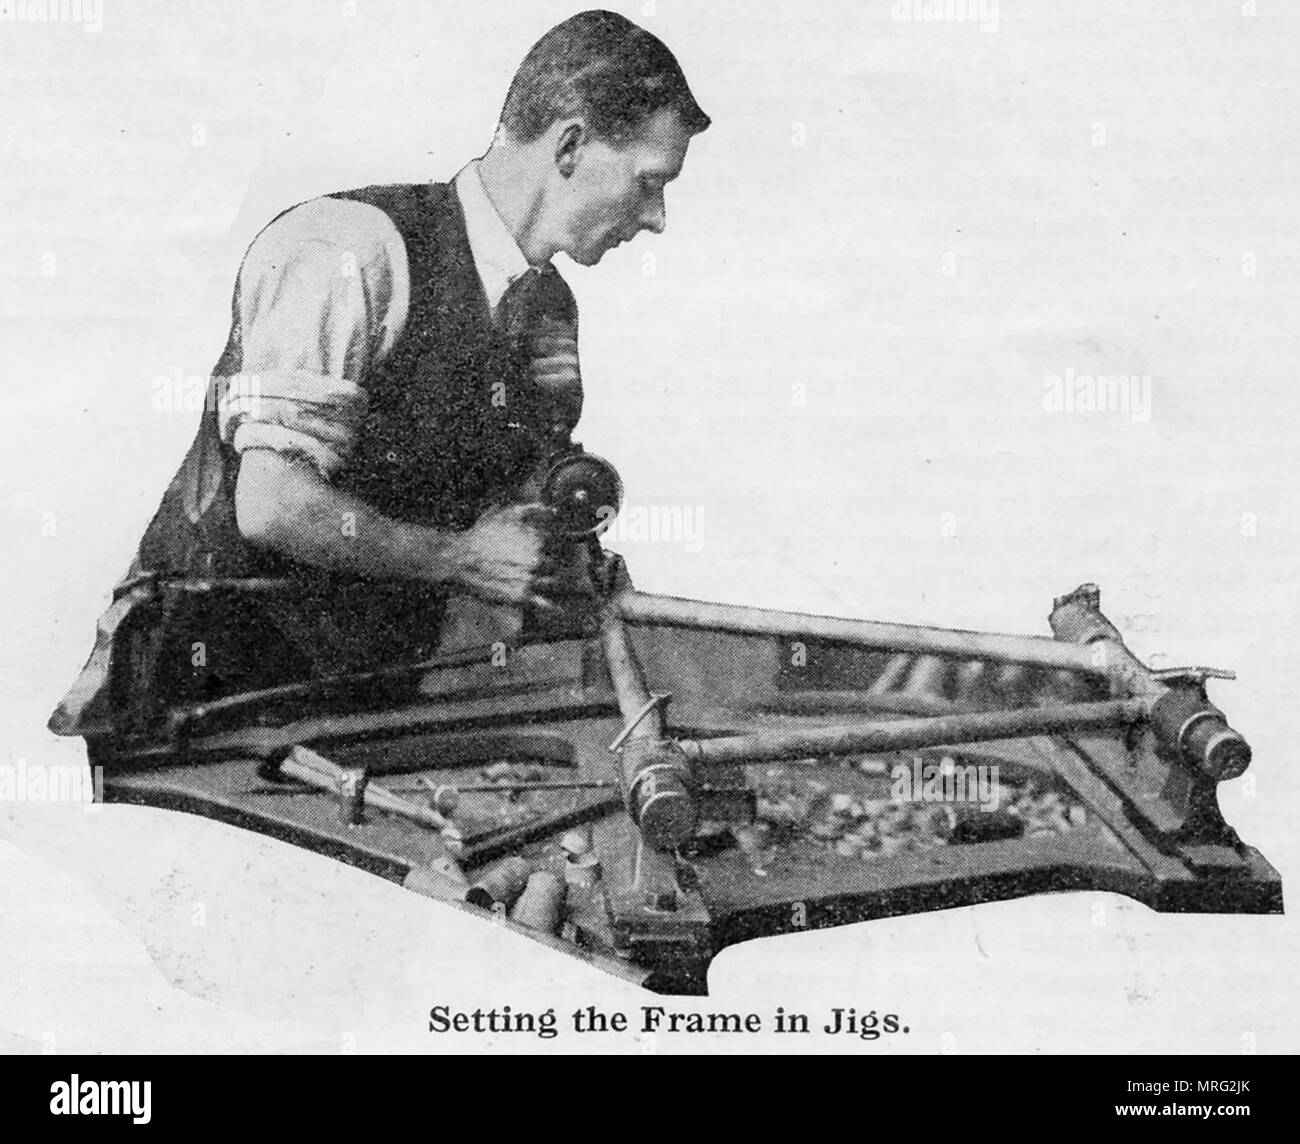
(509, 560)
(561, 381)
(534, 513)
(557, 368)
(547, 326)
(514, 597)
(493, 594)
(517, 579)
(550, 585)
(555, 340)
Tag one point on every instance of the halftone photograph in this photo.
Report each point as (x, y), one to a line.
(678, 529)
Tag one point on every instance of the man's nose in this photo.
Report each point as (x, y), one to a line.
(654, 218)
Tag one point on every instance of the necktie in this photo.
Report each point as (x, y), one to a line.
(534, 296)
(536, 310)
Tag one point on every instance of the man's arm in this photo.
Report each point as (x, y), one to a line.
(323, 294)
(284, 504)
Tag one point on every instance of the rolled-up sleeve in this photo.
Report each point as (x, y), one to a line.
(322, 295)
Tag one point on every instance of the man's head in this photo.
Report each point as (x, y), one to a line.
(602, 114)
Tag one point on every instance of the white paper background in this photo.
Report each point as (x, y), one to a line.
(926, 147)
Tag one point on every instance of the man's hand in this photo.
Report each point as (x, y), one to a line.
(553, 366)
(503, 557)
(287, 506)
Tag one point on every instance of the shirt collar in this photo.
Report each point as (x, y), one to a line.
(497, 256)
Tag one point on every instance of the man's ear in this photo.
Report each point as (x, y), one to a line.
(568, 146)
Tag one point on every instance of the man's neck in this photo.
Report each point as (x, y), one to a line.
(518, 195)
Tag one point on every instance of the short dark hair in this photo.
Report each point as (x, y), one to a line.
(603, 67)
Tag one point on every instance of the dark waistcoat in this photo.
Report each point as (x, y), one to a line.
(453, 424)
(452, 421)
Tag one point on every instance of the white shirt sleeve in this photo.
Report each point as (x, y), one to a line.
(323, 294)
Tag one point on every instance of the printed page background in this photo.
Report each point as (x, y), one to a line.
(916, 222)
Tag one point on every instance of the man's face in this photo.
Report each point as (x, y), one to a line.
(617, 189)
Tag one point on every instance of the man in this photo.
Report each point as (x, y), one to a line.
(402, 361)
